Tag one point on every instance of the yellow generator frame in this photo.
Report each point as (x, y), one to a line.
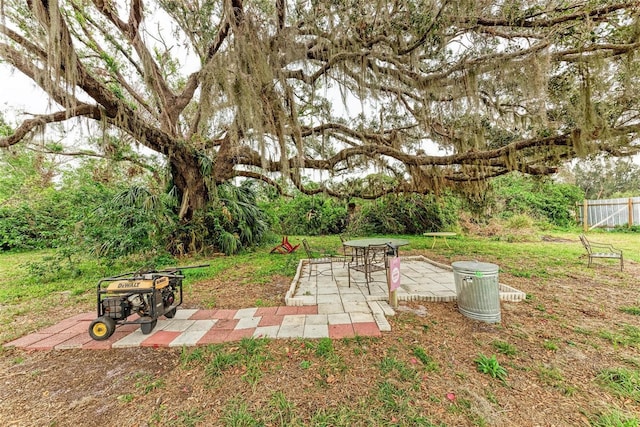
(138, 298)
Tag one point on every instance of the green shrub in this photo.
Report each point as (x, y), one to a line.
(536, 197)
(520, 221)
(48, 218)
(134, 220)
(101, 209)
(232, 221)
(17, 229)
(306, 215)
(491, 367)
(405, 214)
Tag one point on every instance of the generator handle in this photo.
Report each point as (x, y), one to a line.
(173, 269)
(170, 270)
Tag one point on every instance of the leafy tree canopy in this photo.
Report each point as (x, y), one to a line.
(274, 90)
(604, 178)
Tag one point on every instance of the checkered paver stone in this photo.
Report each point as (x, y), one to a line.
(200, 327)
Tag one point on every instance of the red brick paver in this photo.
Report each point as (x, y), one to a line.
(266, 311)
(106, 344)
(160, 339)
(341, 331)
(272, 320)
(27, 340)
(367, 329)
(308, 309)
(227, 324)
(77, 341)
(239, 334)
(215, 336)
(50, 342)
(225, 314)
(203, 315)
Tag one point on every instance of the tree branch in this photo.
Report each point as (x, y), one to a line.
(260, 177)
(170, 106)
(90, 153)
(31, 124)
(527, 22)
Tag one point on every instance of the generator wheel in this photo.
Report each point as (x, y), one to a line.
(169, 314)
(147, 327)
(102, 328)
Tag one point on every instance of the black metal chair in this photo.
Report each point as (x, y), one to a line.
(316, 261)
(349, 253)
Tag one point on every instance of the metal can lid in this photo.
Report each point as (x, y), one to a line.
(475, 268)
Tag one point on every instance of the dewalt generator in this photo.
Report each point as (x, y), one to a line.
(144, 295)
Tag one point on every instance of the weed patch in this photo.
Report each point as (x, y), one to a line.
(392, 397)
(633, 310)
(283, 412)
(504, 348)
(237, 414)
(146, 383)
(190, 418)
(627, 336)
(551, 345)
(249, 355)
(615, 418)
(623, 382)
(392, 364)
(190, 356)
(430, 365)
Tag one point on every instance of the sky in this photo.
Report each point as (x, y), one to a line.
(17, 92)
(20, 98)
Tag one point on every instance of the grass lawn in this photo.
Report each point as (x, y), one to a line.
(567, 355)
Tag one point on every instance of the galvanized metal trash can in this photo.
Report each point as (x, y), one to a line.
(477, 290)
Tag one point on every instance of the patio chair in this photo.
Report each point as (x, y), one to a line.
(349, 253)
(316, 261)
(601, 250)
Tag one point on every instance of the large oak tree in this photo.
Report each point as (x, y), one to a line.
(274, 90)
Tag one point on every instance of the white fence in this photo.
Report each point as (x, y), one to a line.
(609, 213)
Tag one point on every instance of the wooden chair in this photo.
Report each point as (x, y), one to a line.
(601, 250)
(316, 261)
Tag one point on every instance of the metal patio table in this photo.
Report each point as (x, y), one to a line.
(365, 251)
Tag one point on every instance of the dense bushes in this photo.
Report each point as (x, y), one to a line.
(137, 220)
(100, 209)
(233, 220)
(393, 214)
(540, 198)
(306, 215)
(48, 217)
(18, 228)
(405, 214)
(133, 220)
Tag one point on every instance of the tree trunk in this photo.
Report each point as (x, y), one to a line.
(190, 184)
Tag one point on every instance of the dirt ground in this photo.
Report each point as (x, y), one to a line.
(562, 334)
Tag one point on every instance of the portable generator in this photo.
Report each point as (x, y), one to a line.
(144, 295)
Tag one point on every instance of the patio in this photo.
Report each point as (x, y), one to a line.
(421, 280)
